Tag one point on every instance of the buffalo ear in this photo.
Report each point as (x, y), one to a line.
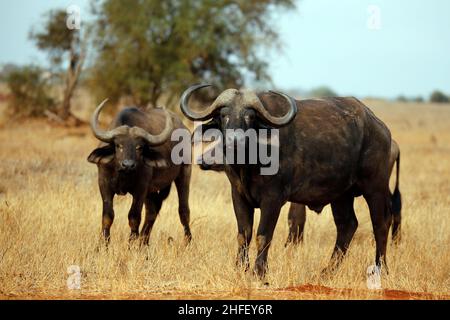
(102, 155)
(153, 158)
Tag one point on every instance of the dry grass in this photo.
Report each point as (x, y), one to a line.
(50, 215)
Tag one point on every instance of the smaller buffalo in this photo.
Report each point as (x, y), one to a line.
(134, 157)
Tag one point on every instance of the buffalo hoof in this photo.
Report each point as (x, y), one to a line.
(187, 239)
(242, 260)
(243, 265)
(396, 239)
(103, 243)
(328, 271)
(293, 241)
(260, 270)
(385, 269)
(133, 236)
(143, 242)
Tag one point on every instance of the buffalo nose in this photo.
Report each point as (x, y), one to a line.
(128, 165)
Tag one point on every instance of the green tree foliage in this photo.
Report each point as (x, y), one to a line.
(150, 47)
(63, 46)
(54, 37)
(29, 89)
(439, 97)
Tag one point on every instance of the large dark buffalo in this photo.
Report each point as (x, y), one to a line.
(330, 152)
(297, 211)
(135, 157)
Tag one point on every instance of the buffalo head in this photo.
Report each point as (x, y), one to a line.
(128, 148)
(237, 109)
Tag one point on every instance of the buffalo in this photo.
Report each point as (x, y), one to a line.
(330, 151)
(297, 212)
(135, 157)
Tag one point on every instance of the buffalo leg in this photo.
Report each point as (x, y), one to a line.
(380, 215)
(108, 211)
(346, 225)
(270, 211)
(153, 203)
(182, 183)
(152, 208)
(134, 216)
(296, 221)
(244, 216)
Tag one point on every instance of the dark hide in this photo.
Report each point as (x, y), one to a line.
(334, 150)
(297, 212)
(148, 179)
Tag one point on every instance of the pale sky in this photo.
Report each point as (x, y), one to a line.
(327, 42)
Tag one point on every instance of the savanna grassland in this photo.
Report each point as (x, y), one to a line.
(50, 219)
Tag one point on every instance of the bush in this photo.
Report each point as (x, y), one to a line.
(402, 98)
(439, 97)
(29, 90)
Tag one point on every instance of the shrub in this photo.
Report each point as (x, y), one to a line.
(402, 98)
(439, 97)
(29, 91)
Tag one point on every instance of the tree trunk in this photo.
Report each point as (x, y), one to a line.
(155, 94)
(73, 74)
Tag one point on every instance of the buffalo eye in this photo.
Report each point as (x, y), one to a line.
(249, 117)
(138, 148)
(224, 115)
(119, 147)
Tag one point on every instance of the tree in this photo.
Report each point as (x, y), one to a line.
(402, 98)
(63, 45)
(150, 47)
(439, 97)
(29, 87)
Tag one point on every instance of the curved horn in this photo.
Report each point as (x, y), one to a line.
(105, 136)
(277, 121)
(155, 140)
(193, 115)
